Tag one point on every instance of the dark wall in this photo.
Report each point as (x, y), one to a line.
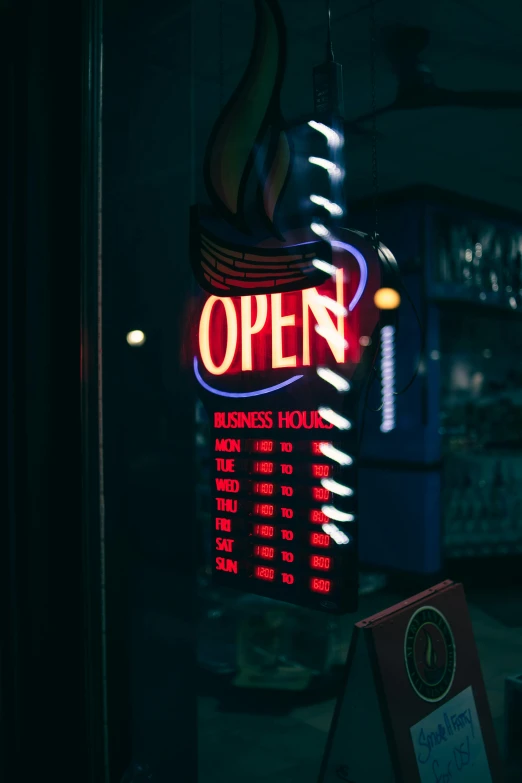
(47, 665)
(148, 401)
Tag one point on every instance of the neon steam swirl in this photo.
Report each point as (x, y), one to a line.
(241, 395)
(363, 268)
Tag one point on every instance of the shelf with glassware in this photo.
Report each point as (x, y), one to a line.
(480, 421)
(450, 473)
(476, 261)
(482, 501)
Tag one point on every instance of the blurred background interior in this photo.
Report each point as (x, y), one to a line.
(449, 476)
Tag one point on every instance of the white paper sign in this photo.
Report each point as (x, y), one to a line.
(448, 743)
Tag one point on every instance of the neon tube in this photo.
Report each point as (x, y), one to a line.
(241, 395)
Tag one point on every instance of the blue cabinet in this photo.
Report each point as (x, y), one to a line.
(447, 481)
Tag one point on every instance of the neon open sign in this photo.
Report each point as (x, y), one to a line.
(290, 330)
(288, 325)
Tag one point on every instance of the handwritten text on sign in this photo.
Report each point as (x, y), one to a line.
(448, 743)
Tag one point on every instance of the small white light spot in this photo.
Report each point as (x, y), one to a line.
(513, 302)
(332, 453)
(324, 266)
(334, 139)
(332, 207)
(487, 353)
(333, 513)
(340, 383)
(136, 338)
(334, 171)
(319, 229)
(333, 305)
(482, 296)
(468, 255)
(435, 356)
(338, 489)
(332, 336)
(365, 341)
(337, 535)
(334, 418)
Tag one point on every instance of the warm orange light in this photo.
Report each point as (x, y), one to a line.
(278, 323)
(248, 329)
(387, 299)
(204, 335)
(312, 301)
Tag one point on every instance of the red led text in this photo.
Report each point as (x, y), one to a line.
(320, 493)
(263, 467)
(316, 446)
(262, 488)
(225, 465)
(227, 444)
(319, 539)
(223, 524)
(263, 572)
(320, 585)
(320, 471)
(227, 504)
(263, 509)
(227, 485)
(288, 579)
(287, 535)
(264, 531)
(225, 564)
(243, 420)
(224, 544)
(320, 562)
(288, 557)
(265, 446)
(267, 552)
(318, 516)
(296, 420)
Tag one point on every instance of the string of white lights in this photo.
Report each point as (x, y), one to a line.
(332, 336)
(333, 305)
(340, 383)
(335, 454)
(340, 516)
(337, 535)
(335, 338)
(330, 206)
(320, 230)
(338, 489)
(334, 418)
(333, 138)
(324, 266)
(335, 172)
(388, 378)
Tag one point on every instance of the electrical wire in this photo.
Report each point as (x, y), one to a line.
(373, 81)
(221, 57)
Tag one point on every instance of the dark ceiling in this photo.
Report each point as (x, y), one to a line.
(474, 44)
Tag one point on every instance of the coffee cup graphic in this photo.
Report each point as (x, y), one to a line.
(238, 246)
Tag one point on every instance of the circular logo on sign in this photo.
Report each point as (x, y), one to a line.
(429, 653)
